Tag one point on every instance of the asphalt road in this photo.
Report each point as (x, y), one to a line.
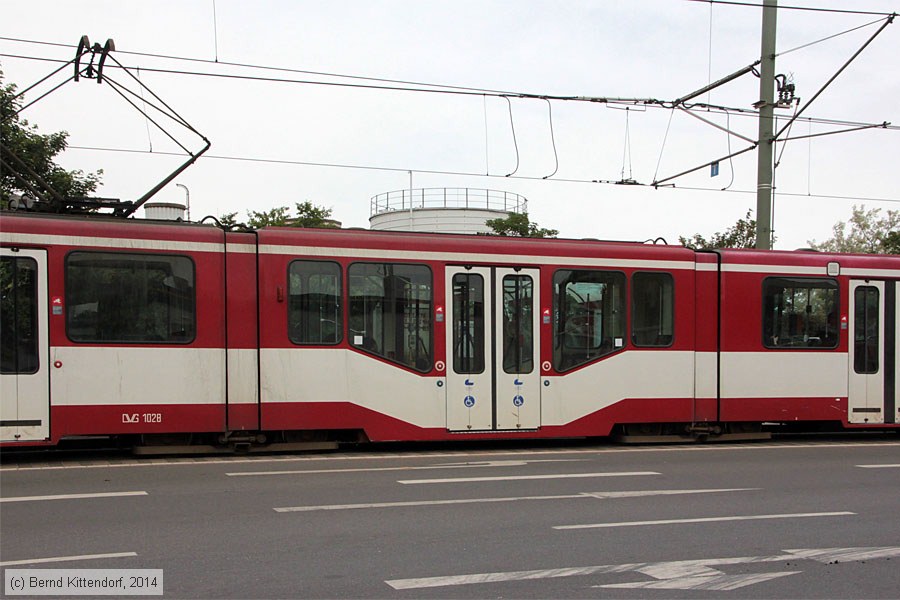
(769, 520)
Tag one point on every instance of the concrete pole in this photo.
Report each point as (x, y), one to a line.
(766, 127)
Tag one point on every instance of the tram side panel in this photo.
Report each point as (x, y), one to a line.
(635, 362)
(331, 330)
(136, 335)
(707, 317)
(242, 316)
(783, 352)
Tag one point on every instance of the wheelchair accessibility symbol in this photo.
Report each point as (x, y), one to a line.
(518, 400)
(469, 401)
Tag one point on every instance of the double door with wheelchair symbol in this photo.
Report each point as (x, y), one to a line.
(493, 345)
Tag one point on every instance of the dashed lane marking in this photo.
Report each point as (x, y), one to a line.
(466, 465)
(578, 496)
(527, 477)
(54, 559)
(897, 466)
(706, 520)
(71, 496)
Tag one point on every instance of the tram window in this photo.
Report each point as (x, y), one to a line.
(518, 324)
(865, 329)
(468, 323)
(800, 313)
(130, 298)
(590, 316)
(390, 312)
(314, 305)
(652, 309)
(18, 316)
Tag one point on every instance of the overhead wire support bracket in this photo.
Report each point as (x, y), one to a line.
(704, 165)
(716, 125)
(715, 84)
(888, 21)
(883, 125)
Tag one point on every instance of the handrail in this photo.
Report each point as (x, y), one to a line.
(449, 198)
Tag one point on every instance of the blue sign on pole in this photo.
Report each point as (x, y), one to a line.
(714, 169)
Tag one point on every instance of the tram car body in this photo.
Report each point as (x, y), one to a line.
(139, 328)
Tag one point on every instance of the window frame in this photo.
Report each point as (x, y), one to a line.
(431, 320)
(557, 334)
(866, 363)
(480, 358)
(524, 324)
(34, 315)
(674, 306)
(832, 284)
(195, 311)
(339, 327)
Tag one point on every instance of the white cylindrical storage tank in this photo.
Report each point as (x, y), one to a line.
(443, 210)
(164, 211)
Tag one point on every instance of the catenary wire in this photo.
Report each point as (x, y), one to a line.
(845, 11)
(455, 173)
(607, 101)
(271, 68)
(825, 39)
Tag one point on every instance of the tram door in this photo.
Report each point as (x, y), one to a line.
(867, 366)
(493, 379)
(24, 372)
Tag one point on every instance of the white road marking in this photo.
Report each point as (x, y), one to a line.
(697, 569)
(879, 466)
(71, 496)
(527, 477)
(706, 520)
(508, 463)
(466, 465)
(423, 503)
(719, 583)
(37, 561)
(581, 495)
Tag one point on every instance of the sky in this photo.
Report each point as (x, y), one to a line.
(271, 140)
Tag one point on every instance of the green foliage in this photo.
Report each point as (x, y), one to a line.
(740, 235)
(276, 217)
(38, 151)
(519, 225)
(865, 233)
(891, 243)
(310, 215)
(307, 215)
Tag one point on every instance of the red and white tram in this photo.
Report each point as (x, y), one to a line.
(139, 328)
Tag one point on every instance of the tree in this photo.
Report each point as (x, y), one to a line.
(740, 235)
(310, 215)
(891, 243)
(865, 233)
(518, 225)
(307, 215)
(19, 138)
